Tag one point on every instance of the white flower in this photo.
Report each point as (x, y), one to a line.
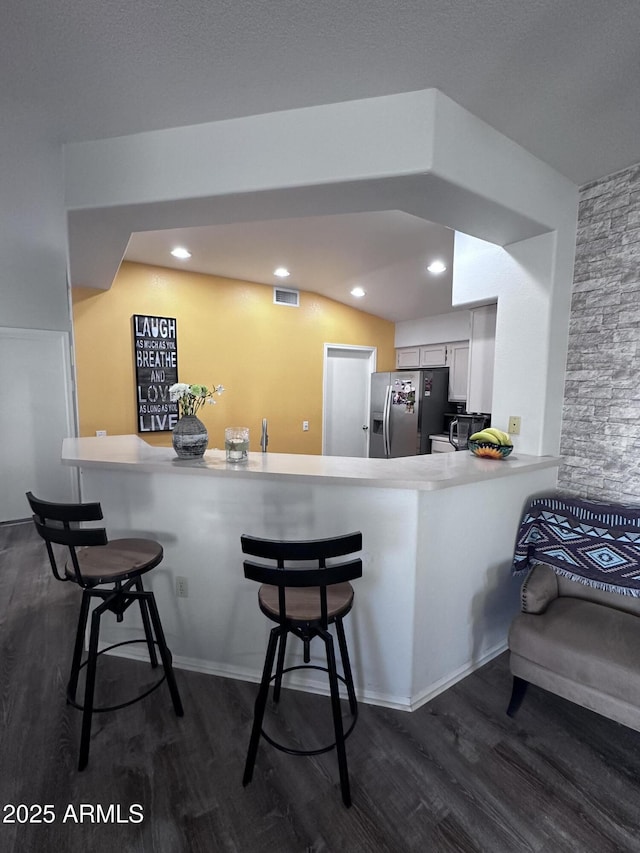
(190, 397)
(177, 391)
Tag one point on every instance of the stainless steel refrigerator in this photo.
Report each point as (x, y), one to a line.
(406, 407)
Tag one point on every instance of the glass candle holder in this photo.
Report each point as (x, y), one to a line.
(236, 443)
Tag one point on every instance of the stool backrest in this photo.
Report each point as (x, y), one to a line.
(53, 522)
(314, 551)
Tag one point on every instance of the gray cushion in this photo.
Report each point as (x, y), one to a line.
(542, 585)
(628, 603)
(584, 642)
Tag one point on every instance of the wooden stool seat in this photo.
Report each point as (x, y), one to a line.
(118, 560)
(304, 601)
(303, 604)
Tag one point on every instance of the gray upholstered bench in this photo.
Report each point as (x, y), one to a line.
(578, 642)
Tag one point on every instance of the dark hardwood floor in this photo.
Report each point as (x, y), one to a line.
(457, 775)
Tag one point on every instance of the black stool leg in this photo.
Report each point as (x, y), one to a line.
(87, 712)
(72, 686)
(282, 648)
(144, 612)
(517, 695)
(260, 705)
(337, 718)
(165, 654)
(346, 665)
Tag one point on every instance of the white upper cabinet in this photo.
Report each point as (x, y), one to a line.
(454, 355)
(458, 361)
(481, 358)
(407, 357)
(435, 355)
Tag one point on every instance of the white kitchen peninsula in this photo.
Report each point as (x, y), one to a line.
(436, 596)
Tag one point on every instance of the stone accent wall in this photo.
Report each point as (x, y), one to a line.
(601, 419)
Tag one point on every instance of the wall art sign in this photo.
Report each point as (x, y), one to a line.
(155, 348)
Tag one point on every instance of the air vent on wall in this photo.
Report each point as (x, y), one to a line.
(286, 296)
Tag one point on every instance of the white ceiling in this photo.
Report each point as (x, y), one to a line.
(384, 252)
(561, 79)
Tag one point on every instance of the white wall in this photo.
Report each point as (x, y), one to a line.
(33, 296)
(219, 628)
(39, 418)
(245, 164)
(33, 254)
(531, 330)
(468, 575)
(444, 328)
(416, 151)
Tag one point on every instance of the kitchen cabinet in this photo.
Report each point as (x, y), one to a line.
(458, 362)
(453, 355)
(407, 358)
(434, 355)
(412, 358)
(481, 358)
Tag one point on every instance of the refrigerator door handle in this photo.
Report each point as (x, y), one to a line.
(386, 438)
(452, 440)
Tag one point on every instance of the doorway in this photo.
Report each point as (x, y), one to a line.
(346, 392)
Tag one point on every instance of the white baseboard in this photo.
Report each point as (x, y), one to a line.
(445, 683)
(311, 685)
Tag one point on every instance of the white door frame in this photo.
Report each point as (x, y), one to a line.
(373, 355)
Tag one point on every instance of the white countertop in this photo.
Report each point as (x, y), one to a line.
(429, 472)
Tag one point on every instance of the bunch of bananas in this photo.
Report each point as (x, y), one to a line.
(491, 443)
(491, 435)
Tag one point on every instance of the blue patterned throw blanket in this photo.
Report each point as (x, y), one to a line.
(592, 542)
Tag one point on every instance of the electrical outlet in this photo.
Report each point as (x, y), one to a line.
(514, 425)
(305, 426)
(101, 432)
(182, 588)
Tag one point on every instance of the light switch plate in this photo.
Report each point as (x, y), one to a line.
(514, 425)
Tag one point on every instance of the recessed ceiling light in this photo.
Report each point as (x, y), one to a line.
(282, 272)
(436, 267)
(180, 252)
(357, 291)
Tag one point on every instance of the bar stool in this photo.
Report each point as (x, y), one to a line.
(93, 563)
(304, 601)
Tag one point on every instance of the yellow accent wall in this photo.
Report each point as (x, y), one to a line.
(269, 357)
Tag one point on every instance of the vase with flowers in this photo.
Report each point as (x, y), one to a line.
(190, 436)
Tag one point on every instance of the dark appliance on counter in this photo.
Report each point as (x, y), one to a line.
(406, 407)
(462, 426)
